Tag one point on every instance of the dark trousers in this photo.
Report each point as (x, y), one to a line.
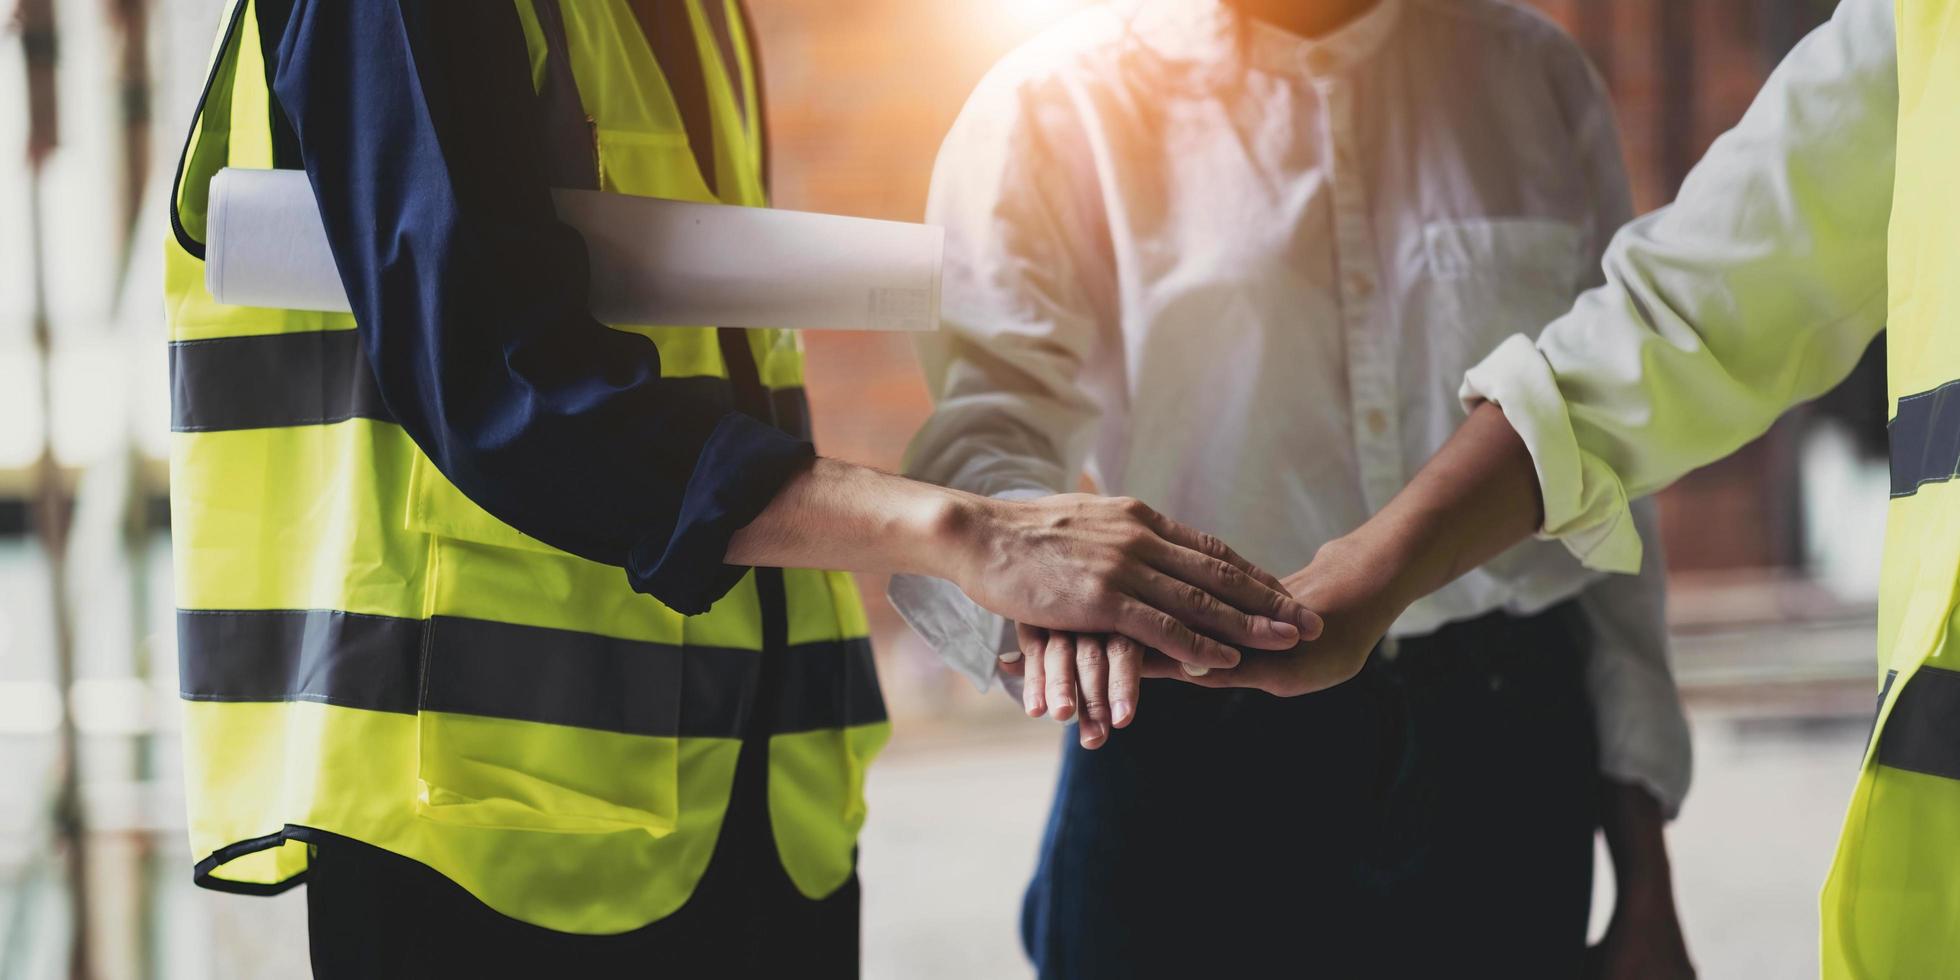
(373, 915)
(1433, 817)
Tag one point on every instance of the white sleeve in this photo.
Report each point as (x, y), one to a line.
(1757, 289)
(1026, 291)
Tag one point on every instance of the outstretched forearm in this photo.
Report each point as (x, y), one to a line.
(856, 519)
(1474, 499)
(1067, 562)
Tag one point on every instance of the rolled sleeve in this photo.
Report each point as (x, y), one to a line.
(740, 470)
(1585, 505)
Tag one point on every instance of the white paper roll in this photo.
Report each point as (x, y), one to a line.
(653, 261)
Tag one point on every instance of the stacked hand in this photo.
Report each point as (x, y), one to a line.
(1354, 591)
(1096, 676)
(1097, 565)
(1476, 497)
(1070, 562)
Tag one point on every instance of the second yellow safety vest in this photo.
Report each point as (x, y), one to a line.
(1891, 907)
(366, 653)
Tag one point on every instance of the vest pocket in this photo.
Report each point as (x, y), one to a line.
(512, 774)
(550, 696)
(436, 507)
(526, 728)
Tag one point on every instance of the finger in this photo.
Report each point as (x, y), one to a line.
(1033, 686)
(1179, 533)
(1286, 675)
(1256, 672)
(1259, 673)
(1196, 607)
(1158, 666)
(1029, 641)
(1242, 592)
(1159, 629)
(1092, 687)
(1026, 638)
(1125, 663)
(1059, 666)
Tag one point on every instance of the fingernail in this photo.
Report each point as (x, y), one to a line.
(1010, 656)
(1193, 670)
(1119, 711)
(1283, 630)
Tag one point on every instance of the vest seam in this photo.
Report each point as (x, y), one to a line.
(1916, 770)
(305, 423)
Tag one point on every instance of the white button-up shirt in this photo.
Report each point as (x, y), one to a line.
(1758, 288)
(1240, 274)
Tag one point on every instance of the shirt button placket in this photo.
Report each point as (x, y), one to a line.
(1371, 376)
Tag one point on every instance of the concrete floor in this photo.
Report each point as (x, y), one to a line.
(954, 828)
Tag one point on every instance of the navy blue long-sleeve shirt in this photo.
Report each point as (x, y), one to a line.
(421, 133)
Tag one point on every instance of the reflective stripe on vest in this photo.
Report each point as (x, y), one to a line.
(366, 653)
(381, 663)
(323, 377)
(1925, 438)
(1923, 733)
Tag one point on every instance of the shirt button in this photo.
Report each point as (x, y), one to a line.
(1377, 422)
(1360, 285)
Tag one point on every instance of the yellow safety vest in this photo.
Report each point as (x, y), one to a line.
(1891, 908)
(366, 653)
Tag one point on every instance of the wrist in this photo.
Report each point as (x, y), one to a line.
(950, 533)
(1477, 496)
(1385, 555)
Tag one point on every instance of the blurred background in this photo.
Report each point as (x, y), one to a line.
(1773, 553)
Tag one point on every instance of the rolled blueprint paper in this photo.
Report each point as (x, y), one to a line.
(653, 261)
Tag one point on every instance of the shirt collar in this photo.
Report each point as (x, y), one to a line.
(1334, 53)
(1209, 36)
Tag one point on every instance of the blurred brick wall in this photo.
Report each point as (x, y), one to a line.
(859, 94)
(861, 91)
(1726, 57)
